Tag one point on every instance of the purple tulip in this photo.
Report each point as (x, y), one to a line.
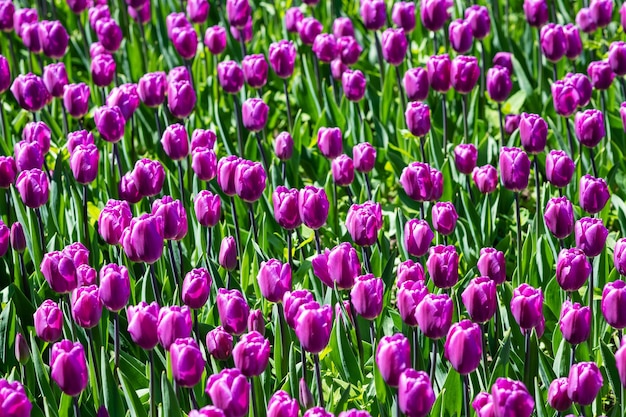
(175, 141)
(174, 322)
(417, 117)
(527, 306)
(142, 240)
(251, 354)
(207, 207)
(293, 19)
(238, 12)
(233, 310)
(325, 47)
(143, 324)
(309, 29)
(442, 264)
(536, 12)
(438, 69)
(417, 237)
(230, 391)
(514, 168)
(204, 163)
(228, 253)
(17, 238)
(613, 298)
(215, 39)
(367, 296)
(590, 235)
(499, 83)
(354, 84)
(285, 203)
(363, 222)
(620, 362)
(84, 163)
(187, 362)
(559, 217)
(601, 12)
(282, 405)
(30, 92)
(601, 74)
(48, 319)
(254, 113)
(148, 176)
(283, 146)
(394, 46)
(219, 343)
(464, 346)
(55, 78)
(373, 13)
(465, 156)
(557, 395)
(575, 322)
(444, 217)
(68, 367)
(329, 142)
(393, 356)
(553, 42)
(584, 382)
(103, 69)
(593, 194)
(128, 189)
(274, 279)
(313, 206)
(434, 315)
(5, 70)
(409, 271)
(478, 17)
(415, 393)
(198, 10)
(7, 12)
(348, 49)
(342, 26)
(113, 219)
(249, 179)
(410, 294)
(110, 123)
(403, 15)
(28, 155)
(464, 73)
(508, 395)
(485, 178)
(589, 127)
(282, 58)
(434, 13)
(313, 324)
(573, 41)
(86, 306)
(292, 301)
(255, 69)
(565, 98)
(181, 98)
(479, 299)
(416, 84)
(342, 169)
(460, 35)
(559, 168)
(32, 186)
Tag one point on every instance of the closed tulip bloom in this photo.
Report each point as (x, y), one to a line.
(593, 194)
(59, 271)
(416, 181)
(282, 58)
(196, 288)
(393, 356)
(31, 37)
(367, 296)
(175, 141)
(76, 99)
(584, 382)
(198, 10)
(7, 11)
(181, 99)
(274, 280)
(125, 97)
(226, 173)
(17, 237)
(285, 203)
(353, 83)
(14, 401)
(219, 343)
(514, 168)
(103, 69)
(325, 47)
(69, 367)
(363, 222)
(179, 74)
(143, 324)
(483, 405)
(251, 354)
(575, 322)
(329, 142)
(310, 27)
(110, 123)
(557, 395)
(403, 15)
(511, 398)
(109, 34)
(619, 256)
(485, 178)
(415, 393)
(463, 347)
(228, 253)
(438, 69)
(77, 252)
(33, 188)
(187, 362)
(343, 170)
(465, 156)
(204, 163)
(293, 18)
(409, 271)
(444, 217)
(238, 12)
(590, 235)
(313, 324)
(55, 78)
(373, 13)
(230, 391)
(416, 84)
(28, 155)
(394, 46)
(282, 405)
(149, 176)
(48, 320)
(511, 123)
(8, 171)
(434, 315)
(250, 179)
(292, 301)
(617, 57)
(601, 74)
(559, 217)
(230, 76)
(443, 264)
(499, 83)
(589, 127)
(113, 219)
(479, 299)
(464, 73)
(527, 306)
(480, 22)
(254, 114)
(565, 98)
(233, 310)
(364, 155)
(553, 42)
(585, 21)
(185, 41)
(460, 34)
(98, 12)
(536, 12)
(152, 87)
(54, 38)
(559, 168)
(255, 69)
(174, 217)
(86, 275)
(173, 323)
(79, 137)
(215, 39)
(417, 237)
(434, 13)
(613, 299)
(283, 146)
(417, 117)
(573, 41)
(142, 240)
(22, 17)
(84, 163)
(410, 294)
(30, 92)
(128, 189)
(4, 238)
(86, 306)
(207, 207)
(114, 287)
(313, 206)
(601, 12)
(337, 68)
(348, 50)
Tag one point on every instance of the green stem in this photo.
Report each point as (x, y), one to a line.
(381, 65)
(318, 377)
(519, 239)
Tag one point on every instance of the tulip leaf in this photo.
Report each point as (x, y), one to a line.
(610, 365)
(110, 392)
(42, 378)
(539, 401)
(133, 402)
(171, 408)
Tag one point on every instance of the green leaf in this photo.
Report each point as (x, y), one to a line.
(171, 408)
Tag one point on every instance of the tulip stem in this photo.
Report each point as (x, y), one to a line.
(76, 408)
(16, 69)
(316, 68)
(144, 51)
(303, 362)
(153, 408)
(318, 243)
(593, 163)
(335, 210)
(175, 273)
(24, 278)
(85, 217)
(155, 288)
(607, 126)
(379, 53)
(196, 325)
(433, 361)
(259, 143)
(349, 194)
(238, 122)
(116, 153)
(209, 244)
(65, 124)
(357, 332)
(4, 127)
(402, 98)
(62, 302)
(41, 230)
(368, 185)
(236, 221)
(366, 258)
(519, 239)
(181, 184)
(484, 331)
(422, 150)
(194, 400)
(318, 377)
(444, 111)
(465, 126)
(289, 249)
(253, 222)
(590, 291)
(92, 349)
(570, 138)
(283, 169)
(538, 189)
(116, 326)
(286, 90)
(539, 62)
(158, 123)
(572, 358)
(527, 376)
(466, 388)
(416, 346)
(373, 335)
(501, 125)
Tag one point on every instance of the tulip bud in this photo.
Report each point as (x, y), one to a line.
(553, 42)
(233, 310)
(219, 343)
(282, 405)
(255, 70)
(174, 322)
(309, 29)
(282, 58)
(238, 12)
(590, 235)
(18, 239)
(28, 155)
(325, 47)
(416, 182)
(536, 12)
(285, 203)
(30, 92)
(283, 146)
(128, 190)
(109, 34)
(373, 14)
(557, 395)
(181, 98)
(464, 73)
(196, 288)
(559, 217)
(353, 83)
(559, 168)
(463, 347)
(460, 34)
(33, 188)
(584, 383)
(613, 297)
(343, 170)
(417, 118)
(84, 163)
(293, 19)
(363, 222)
(114, 287)
(438, 69)
(187, 362)
(7, 12)
(415, 83)
(434, 13)
(589, 127)
(55, 78)
(514, 168)
(443, 264)
(103, 69)
(48, 320)
(485, 178)
(465, 156)
(499, 83)
(250, 180)
(305, 395)
(367, 296)
(274, 280)
(313, 206)
(256, 322)
(329, 142)
(68, 367)
(292, 301)
(593, 194)
(8, 171)
(479, 299)
(337, 68)
(434, 315)
(251, 354)
(511, 123)
(228, 253)
(59, 271)
(409, 295)
(601, 75)
(198, 10)
(149, 176)
(254, 114)
(478, 17)
(22, 351)
(573, 41)
(565, 98)
(86, 306)
(575, 322)
(409, 271)
(601, 12)
(313, 324)
(394, 46)
(527, 306)
(572, 269)
(415, 393)
(393, 356)
(620, 362)
(417, 237)
(142, 240)
(215, 39)
(174, 217)
(444, 217)
(403, 15)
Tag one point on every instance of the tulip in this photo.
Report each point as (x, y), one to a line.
(409, 271)
(593, 194)
(215, 39)
(230, 391)
(282, 58)
(485, 178)
(617, 57)
(198, 11)
(48, 319)
(479, 299)
(601, 75)
(86, 275)
(514, 168)
(305, 395)
(77, 252)
(98, 12)
(313, 206)
(483, 405)
(442, 264)
(196, 288)
(465, 156)
(343, 170)
(110, 123)
(204, 163)
(17, 238)
(367, 296)
(255, 70)
(228, 253)
(207, 208)
(460, 34)
(103, 69)
(238, 12)
(59, 271)
(256, 322)
(572, 269)
(590, 235)
(249, 179)
(480, 22)
(601, 12)
(282, 405)
(533, 132)
(126, 97)
(417, 237)
(313, 324)
(585, 21)
(254, 114)
(575, 322)
(363, 222)
(142, 240)
(403, 15)
(69, 367)
(553, 42)
(416, 181)
(30, 92)
(589, 127)
(28, 155)
(434, 315)
(109, 34)
(509, 395)
(557, 395)
(174, 322)
(527, 306)
(393, 356)
(499, 83)
(329, 142)
(620, 362)
(293, 19)
(613, 297)
(415, 393)
(417, 117)
(187, 362)
(283, 146)
(584, 383)
(8, 171)
(7, 12)
(149, 176)
(434, 13)
(181, 98)
(559, 217)
(84, 163)
(410, 294)
(559, 168)
(444, 217)
(348, 50)
(438, 69)
(353, 83)
(175, 142)
(536, 12)
(463, 347)
(565, 98)
(573, 41)
(251, 354)
(325, 47)
(394, 46)
(114, 287)
(292, 301)
(619, 256)
(55, 78)
(233, 310)
(23, 16)
(464, 73)
(31, 37)
(32, 186)
(219, 343)
(416, 83)
(86, 306)
(373, 14)
(342, 26)
(152, 87)
(76, 99)
(337, 68)
(128, 189)
(22, 351)
(274, 280)
(308, 31)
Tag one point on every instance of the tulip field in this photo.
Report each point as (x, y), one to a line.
(229, 208)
